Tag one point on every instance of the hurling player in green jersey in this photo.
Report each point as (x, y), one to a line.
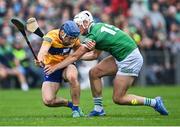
(125, 63)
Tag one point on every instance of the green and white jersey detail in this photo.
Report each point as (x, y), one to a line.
(110, 39)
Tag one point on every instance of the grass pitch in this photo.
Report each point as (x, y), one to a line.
(25, 108)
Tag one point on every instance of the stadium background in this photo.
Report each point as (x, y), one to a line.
(153, 24)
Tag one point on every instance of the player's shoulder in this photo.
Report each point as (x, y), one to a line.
(94, 29)
(53, 32)
(96, 26)
(99, 24)
(51, 35)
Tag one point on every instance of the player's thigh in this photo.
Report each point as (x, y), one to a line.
(121, 84)
(70, 72)
(49, 90)
(128, 70)
(106, 67)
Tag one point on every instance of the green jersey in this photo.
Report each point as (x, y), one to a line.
(111, 39)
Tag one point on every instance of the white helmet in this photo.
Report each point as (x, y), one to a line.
(84, 15)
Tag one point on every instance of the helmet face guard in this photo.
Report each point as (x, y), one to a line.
(82, 16)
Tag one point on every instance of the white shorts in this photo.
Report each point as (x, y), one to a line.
(131, 65)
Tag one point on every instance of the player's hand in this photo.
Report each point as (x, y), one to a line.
(39, 63)
(49, 69)
(90, 45)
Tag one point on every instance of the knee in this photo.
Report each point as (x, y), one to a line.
(95, 72)
(118, 100)
(72, 79)
(48, 102)
(115, 99)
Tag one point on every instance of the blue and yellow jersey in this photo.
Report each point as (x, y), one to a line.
(57, 52)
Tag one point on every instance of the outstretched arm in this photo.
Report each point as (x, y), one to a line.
(92, 55)
(70, 59)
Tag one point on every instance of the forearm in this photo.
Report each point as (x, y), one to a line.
(41, 55)
(66, 62)
(73, 57)
(88, 56)
(92, 55)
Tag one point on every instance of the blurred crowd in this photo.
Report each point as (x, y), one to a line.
(153, 24)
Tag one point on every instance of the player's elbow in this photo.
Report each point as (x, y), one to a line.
(95, 56)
